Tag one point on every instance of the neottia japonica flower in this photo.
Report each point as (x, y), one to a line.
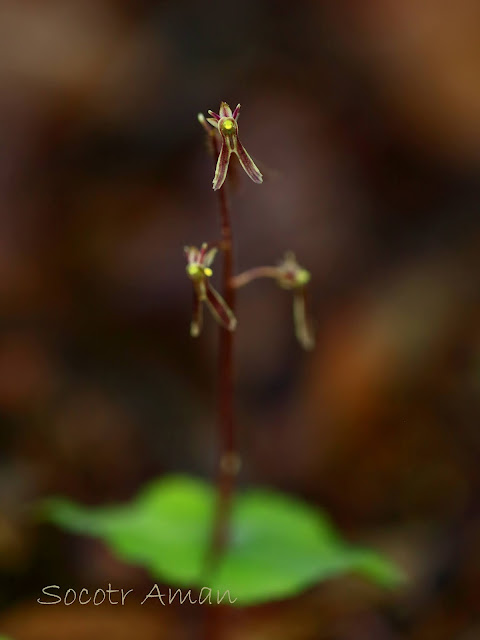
(227, 125)
(291, 276)
(199, 271)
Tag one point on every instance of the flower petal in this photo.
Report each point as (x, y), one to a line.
(225, 111)
(202, 252)
(209, 257)
(191, 253)
(213, 122)
(247, 163)
(214, 115)
(222, 166)
(236, 112)
(219, 308)
(197, 317)
(202, 120)
(303, 329)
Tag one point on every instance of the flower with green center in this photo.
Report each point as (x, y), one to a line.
(199, 271)
(291, 276)
(227, 125)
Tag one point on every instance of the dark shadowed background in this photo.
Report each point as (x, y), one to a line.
(365, 120)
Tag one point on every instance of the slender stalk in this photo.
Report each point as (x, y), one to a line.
(252, 274)
(229, 463)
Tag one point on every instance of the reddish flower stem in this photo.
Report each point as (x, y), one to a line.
(229, 460)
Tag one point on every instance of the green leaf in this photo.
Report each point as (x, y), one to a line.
(279, 545)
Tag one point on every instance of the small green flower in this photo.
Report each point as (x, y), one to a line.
(291, 276)
(199, 271)
(227, 125)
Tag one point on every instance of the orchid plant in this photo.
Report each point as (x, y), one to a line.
(260, 545)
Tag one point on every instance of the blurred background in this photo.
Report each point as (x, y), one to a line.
(365, 120)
